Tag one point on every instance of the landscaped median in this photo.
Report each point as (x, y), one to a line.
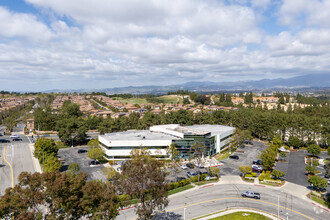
(320, 199)
(238, 214)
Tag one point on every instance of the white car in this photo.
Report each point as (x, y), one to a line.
(184, 166)
(14, 136)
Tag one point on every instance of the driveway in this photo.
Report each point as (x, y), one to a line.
(70, 155)
(246, 153)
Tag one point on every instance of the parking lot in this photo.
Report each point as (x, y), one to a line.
(181, 173)
(295, 167)
(70, 155)
(246, 153)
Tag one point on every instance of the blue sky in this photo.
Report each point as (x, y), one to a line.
(70, 44)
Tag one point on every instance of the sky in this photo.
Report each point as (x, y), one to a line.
(94, 44)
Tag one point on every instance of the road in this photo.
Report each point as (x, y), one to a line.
(18, 155)
(203, 201)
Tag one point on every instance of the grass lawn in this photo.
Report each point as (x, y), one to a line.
(224, 155)
(132, 101)
(242, 215)
(318, 199)
(173, 191)
(168, 99)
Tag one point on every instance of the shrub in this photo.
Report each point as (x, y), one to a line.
(251, 175)
(315, 163)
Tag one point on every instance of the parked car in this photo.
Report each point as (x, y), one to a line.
(251, 194)
(179, 178)
(257, 162)
(328, 181)
(256, 168)
(235, 157)
(14, 136)
(94, 163)
(191, 174)
(190, 165)
(326, 175)
(198, 165)
(184, 166)
(17, 139)
(4, 141)
(80, 151)
(203, 172)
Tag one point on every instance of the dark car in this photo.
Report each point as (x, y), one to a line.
(80, 151)
(94, 163)
(235, 157)
(257, 162)
(190, 165)
(17, 139)
(179, 178)
(191, 174)
(4, 141)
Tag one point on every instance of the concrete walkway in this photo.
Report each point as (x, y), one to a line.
(36, 163)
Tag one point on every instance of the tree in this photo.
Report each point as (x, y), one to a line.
(143, 178)
(44, 147)
(318, 182)
(198, 151)
(214, 171)
(95, 153)
(268, 157)
(329, 150)
(310, 169)
(174, 154)
(94, 143)
(294, 142)
(314, 149)
(109, 172)
(74, 168)
(282, 154)
(100, 200)
(51, 164)
(277, 174)
(245, 169)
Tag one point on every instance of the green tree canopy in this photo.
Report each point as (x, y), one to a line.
(294, 142)
(245, 169)
(318, 182)
(51, 164)
(314, 149)
(277, 174)
(45, 147)
(143, 178)
(74, 168)
(95, 153)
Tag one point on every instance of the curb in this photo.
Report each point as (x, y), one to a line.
(320, 206)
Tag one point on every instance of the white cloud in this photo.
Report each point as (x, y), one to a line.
(129, 42)
(309, 12)
(22, 25)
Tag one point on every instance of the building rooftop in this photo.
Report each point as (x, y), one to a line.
(214, 129)
(135, 135)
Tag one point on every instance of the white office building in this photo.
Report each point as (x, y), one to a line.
(118, 145)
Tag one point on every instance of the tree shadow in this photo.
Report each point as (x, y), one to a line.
(167, 216)
(64, 168)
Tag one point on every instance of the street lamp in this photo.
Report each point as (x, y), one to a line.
(184, 213)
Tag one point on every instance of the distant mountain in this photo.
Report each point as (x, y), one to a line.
(299, 82)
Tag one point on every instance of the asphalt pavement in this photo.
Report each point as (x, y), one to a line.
(246, 153)
(19, 157)
(70, 155)
(205, 200)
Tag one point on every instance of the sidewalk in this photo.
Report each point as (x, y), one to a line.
(35, 161)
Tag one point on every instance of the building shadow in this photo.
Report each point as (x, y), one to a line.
(167, 216)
